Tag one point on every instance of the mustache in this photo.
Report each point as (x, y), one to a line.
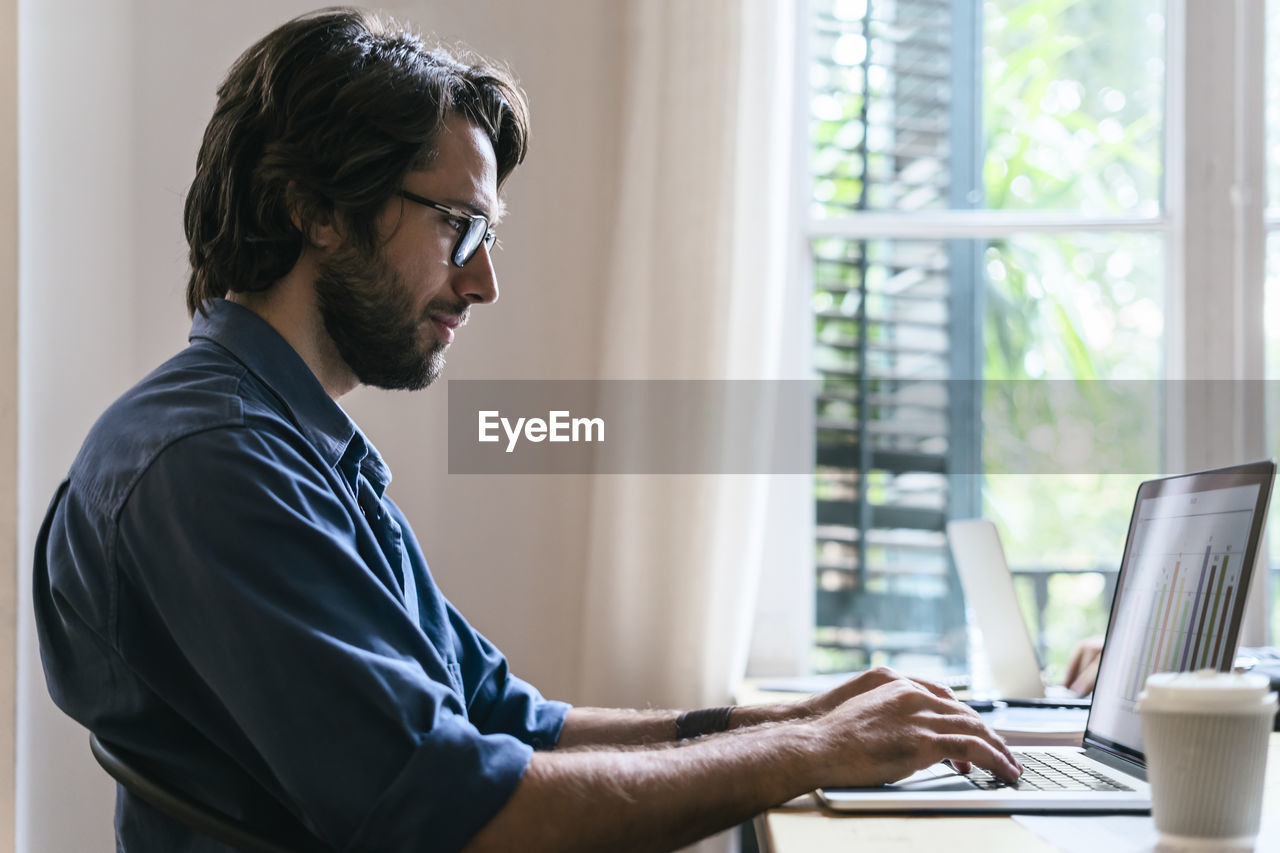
(459, 308)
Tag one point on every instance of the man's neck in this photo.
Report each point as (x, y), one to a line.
(291, 308)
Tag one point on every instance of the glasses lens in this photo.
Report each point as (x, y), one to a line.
(470, 241)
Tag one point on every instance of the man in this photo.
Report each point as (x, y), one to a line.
(223, 587)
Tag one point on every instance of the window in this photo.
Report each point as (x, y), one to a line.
(1001, 225)
(1272, 312)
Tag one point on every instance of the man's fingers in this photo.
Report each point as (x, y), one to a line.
(945, 704)
(966, 740)
(882, 675)
(902, 726)
(971, 725)
(960, 749)
(946, 717)
(939, 690)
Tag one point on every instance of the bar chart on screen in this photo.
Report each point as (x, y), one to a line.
(1187, 556)
(1184, 629)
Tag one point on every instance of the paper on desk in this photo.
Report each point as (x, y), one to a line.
(1039, 726)
(1116, 834)
(1119, 833)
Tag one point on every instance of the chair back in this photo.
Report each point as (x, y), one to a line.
(129, 772)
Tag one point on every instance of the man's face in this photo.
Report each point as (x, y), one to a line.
(392, 312)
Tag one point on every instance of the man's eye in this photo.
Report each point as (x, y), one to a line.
(457, 224)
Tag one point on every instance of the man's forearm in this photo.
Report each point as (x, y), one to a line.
(596, 727)
(656, 795)
(652, 799)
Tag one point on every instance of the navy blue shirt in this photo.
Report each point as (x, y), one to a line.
(223, 588)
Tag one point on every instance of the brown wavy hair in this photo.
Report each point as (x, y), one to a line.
(324, 117)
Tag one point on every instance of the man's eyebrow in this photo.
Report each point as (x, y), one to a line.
(494, 215)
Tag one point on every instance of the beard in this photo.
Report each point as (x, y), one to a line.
(368, 312)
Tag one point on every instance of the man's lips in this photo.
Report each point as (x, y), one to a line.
(446, 323)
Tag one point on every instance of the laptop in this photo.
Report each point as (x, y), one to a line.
(988, 590)
(1180, 595)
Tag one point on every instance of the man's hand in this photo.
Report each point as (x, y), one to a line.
(1082, 669)
(888, 732)
(864, 682)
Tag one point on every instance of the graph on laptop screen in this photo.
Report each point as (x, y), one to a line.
(1178, 594)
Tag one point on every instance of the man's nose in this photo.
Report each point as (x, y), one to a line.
(477, 282)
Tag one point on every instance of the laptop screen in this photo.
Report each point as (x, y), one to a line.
(1181, 589)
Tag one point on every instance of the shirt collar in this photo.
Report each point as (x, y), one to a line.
(268, 356)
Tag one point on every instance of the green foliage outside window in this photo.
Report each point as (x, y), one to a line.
(1072, 112)
(1072, 121)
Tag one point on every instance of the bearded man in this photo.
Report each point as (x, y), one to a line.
(224, 589)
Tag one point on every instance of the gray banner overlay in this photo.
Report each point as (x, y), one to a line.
(794, 427)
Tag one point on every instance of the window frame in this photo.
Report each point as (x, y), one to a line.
(1214, 231)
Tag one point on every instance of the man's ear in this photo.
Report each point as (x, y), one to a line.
(318, 227)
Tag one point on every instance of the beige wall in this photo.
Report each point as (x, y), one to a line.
(507, 551)
(75, 340)
(115, 94)
(8, 403)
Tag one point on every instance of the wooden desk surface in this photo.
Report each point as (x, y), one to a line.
(803, 827)
(815, 832)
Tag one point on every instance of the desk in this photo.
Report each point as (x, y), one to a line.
(801, 827)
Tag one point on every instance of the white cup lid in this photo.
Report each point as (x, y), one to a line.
(1207, 690)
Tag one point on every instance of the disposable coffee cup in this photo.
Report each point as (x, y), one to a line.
(1205, 735)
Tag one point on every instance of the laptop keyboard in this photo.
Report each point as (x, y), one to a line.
(1049, 771)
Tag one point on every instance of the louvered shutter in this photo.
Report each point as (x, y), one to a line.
(896, 327)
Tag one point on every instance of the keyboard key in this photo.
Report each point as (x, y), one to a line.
(1049, 772)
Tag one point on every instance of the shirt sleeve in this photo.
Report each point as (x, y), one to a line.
(497, 701)
(277, 640)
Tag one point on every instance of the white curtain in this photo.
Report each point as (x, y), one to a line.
(696, 293)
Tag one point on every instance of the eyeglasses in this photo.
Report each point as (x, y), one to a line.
(472, 228)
